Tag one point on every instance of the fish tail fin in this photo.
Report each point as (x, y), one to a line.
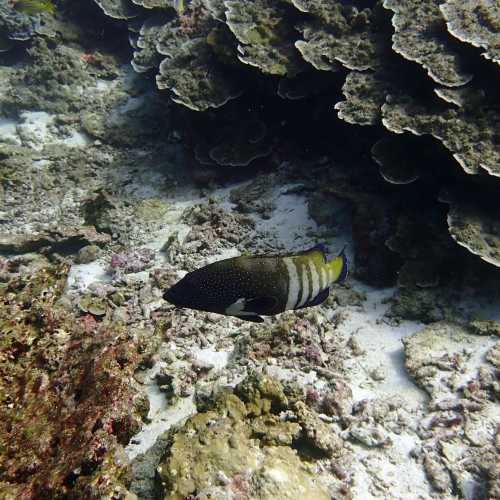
(339, 267)
(179, 6)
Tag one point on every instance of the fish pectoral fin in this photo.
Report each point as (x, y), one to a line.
(260, 304)
(252, 318)
(319, 299)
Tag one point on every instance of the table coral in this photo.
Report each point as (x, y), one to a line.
(265, 36)
(476, 22)
(420, 36)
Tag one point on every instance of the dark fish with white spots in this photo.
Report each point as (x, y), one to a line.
(250, 286)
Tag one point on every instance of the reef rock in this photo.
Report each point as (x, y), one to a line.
(241, 447)
(15, 25)
(459, 432)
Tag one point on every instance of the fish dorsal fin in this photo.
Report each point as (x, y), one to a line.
(316, 301)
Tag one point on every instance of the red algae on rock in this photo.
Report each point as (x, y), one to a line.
(66, 397)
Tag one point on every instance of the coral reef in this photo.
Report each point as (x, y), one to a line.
(265, 36)
(66, 393)
(476, 228)
(16, 25)
(475, 22)
(402, 65)
(99, 214)
(340, 33)
(420, 36)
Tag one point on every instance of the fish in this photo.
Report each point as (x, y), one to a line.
(179, 6)
(249, 287)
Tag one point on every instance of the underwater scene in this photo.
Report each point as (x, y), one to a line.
(249, 249)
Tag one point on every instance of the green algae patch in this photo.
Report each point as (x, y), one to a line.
(243, 446)
(67, 404)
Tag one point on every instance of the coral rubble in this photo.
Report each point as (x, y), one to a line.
(462, 408)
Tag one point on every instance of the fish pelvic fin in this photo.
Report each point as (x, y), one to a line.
(339, 268)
